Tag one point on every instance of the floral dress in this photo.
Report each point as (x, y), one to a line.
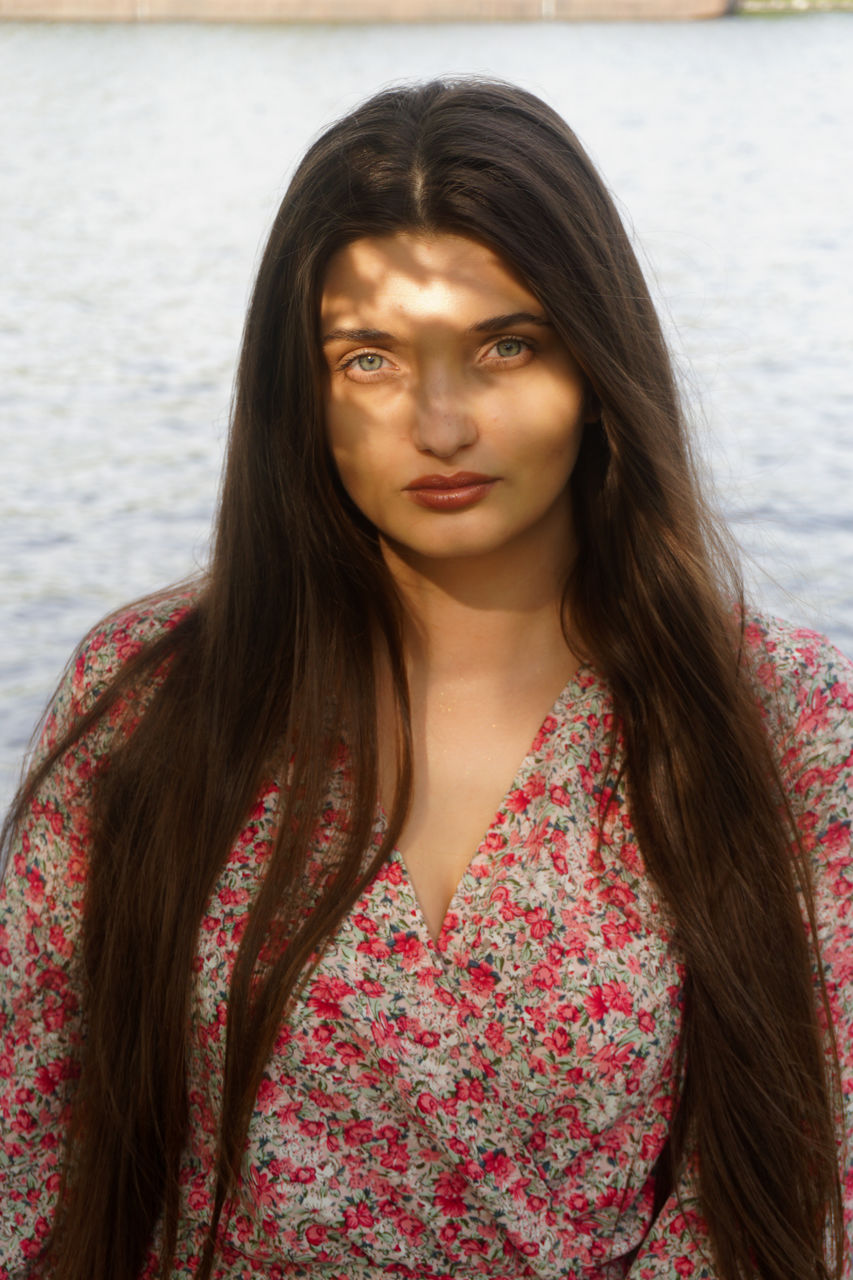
(491, 1104)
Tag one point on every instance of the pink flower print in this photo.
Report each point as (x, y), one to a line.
(836, 838)
(358, 1132)
(607, 1197)
(575, 936)
(410, 949)
(268, 1091)
(262, 1188)
(374, 947)
(498, 1164)
(518, 1190)
(233, 897)
(544, 976)
(538, 923)
(35, 888)
(470, 1090)
(365, 923)
(125, 646)
(816, 777)
(843, 695)
(616, 932)
(617, 995)
(391, 872)
(311, 1128)
(612, 1060)
(495, 1038)
(618, 895)
(535, 785)
(60, 941)
(567, 1012)
(578, 1203)
(754, 637)
(348, 1052)
(55, 819)
(517, 801)
(535, 838)
(47, 1077)
(198, 1200)
(471, 1247)
(508, 908)
(587, 779)
(559, 1043)
(411, 1227)
(549, 724)
(450, 925)
(449, 1196)
(396, 1157)
(384, 1034)
(595, 1004)
(482, 979)
(558, 859)
(358, 1215)
(287, 1111)
(630, 856)
(327, 991)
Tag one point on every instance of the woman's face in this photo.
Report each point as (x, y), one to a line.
(454, 411)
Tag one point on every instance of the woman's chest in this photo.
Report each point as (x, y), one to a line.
(525, 1057)
(550, 1000)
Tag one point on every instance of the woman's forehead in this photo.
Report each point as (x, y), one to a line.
(418, 276)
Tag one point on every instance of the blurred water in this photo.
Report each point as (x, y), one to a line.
(141, 165)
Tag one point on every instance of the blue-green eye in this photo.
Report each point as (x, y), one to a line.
(368, 362)
(509, 347)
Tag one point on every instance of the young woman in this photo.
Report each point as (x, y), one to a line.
(455, 881)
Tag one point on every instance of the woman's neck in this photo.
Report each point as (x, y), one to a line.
(481, 620)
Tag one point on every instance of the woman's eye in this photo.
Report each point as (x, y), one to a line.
(366, 362)
(369, 363)
(509, 348)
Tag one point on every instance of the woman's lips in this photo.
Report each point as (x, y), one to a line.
(450, 493)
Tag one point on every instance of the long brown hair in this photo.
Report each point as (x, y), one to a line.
(278, 647)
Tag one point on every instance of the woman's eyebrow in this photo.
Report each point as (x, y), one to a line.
(378, 336)
(495, 323)
(491, 325)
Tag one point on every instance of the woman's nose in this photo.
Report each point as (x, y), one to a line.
(444, 420)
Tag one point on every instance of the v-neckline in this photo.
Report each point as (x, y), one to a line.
(438, 944)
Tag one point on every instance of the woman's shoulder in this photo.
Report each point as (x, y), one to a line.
(805, 686)
(797, 670)
(107, 649)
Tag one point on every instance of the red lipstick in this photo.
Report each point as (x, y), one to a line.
(450, 493)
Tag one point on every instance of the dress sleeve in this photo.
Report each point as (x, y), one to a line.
(817, 764)
(40, 996)
(807, 688)
(41, 905)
